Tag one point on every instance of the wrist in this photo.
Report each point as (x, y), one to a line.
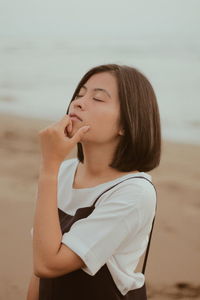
(49, 167)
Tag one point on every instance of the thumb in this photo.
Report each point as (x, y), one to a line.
(79, 134)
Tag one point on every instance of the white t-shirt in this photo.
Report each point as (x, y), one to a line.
(117, 231)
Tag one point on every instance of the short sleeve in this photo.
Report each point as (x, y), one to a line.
(97, 237)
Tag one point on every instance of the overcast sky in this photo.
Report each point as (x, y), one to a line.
(128, 18)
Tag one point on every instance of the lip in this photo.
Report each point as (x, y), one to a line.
(75, 117)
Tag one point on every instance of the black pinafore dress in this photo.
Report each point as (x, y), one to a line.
(78, 285)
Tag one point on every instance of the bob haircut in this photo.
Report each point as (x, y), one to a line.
(140, 146)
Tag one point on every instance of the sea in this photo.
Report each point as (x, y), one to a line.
(38, 75)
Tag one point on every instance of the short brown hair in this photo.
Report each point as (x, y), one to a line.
(140, 146)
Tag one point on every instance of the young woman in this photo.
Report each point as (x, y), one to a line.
(94, 213)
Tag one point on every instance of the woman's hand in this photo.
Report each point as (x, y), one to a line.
(55, 142)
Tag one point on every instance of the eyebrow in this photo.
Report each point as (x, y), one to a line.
(98, 89)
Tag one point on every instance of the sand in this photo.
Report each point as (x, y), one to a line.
(173, 268)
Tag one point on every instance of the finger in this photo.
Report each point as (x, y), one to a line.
(79, 134)
(68, 128)
(63, 122)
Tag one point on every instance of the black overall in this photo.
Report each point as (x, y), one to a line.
(78, 285)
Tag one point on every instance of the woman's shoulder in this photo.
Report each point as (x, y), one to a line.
(137, 187)
(143, 192)
(137, 192)
(133, 196)
(138, 183)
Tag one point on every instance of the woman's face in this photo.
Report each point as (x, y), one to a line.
(97, 104)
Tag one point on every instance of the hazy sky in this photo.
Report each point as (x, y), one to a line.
(174, 18)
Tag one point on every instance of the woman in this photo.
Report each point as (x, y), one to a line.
(94, 213)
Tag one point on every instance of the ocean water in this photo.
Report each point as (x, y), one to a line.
(38, 76)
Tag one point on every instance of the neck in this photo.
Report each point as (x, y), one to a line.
(97, 159)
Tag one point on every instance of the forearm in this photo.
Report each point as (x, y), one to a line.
(47, 234)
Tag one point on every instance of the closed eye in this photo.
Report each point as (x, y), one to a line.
(78, 96)
(97, 100)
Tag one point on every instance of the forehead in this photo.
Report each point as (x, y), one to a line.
(103, 80)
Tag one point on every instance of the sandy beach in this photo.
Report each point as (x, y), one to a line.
(173, 268)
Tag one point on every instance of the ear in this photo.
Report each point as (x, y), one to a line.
(121, 132)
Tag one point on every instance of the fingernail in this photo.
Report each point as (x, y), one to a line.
(86, 128)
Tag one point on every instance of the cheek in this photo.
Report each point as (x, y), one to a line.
(105, 126)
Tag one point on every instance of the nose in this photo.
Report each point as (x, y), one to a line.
(79, 102)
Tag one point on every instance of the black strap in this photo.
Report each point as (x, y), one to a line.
(149, 242)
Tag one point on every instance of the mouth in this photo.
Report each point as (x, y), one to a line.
(75, 117)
